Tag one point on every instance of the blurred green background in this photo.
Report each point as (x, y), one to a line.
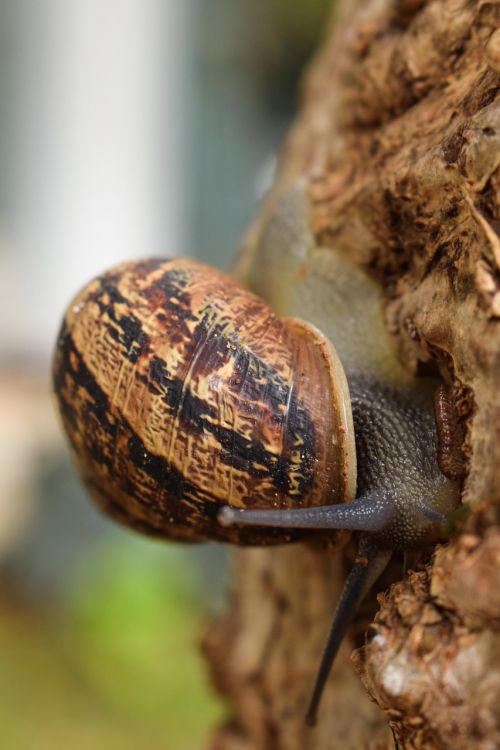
(127, 128)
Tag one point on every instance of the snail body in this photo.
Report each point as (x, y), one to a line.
(198, 410)
(398, 476)
(407, 445)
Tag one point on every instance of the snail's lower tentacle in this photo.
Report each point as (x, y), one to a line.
(367, 513)
(432, 514)
(369, 566)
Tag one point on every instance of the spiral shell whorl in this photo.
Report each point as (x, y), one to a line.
(181, 391)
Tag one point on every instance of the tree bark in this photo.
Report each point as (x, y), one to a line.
(399, 135)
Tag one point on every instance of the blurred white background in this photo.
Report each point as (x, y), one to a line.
(98, 150)
(128, 128)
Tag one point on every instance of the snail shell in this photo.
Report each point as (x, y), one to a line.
(181, 391)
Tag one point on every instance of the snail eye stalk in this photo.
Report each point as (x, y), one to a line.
(369, 513)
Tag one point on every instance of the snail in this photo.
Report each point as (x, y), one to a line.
(261, 412)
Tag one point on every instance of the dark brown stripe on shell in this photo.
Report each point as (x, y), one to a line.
(125, 329)
(238, 452)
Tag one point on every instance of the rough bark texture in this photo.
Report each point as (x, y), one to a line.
(399, 132)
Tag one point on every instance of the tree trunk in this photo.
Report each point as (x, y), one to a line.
(399, 135)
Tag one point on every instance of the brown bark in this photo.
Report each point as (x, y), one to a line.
(399, 133)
